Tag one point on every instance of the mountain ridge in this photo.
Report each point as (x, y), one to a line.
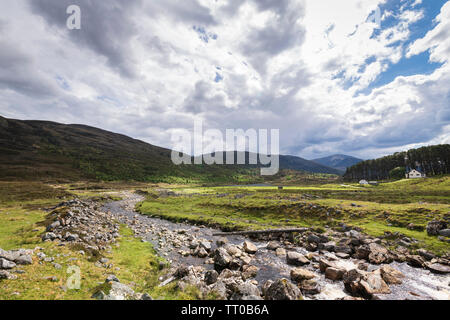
(35, 148)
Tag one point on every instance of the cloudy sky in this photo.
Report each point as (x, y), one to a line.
(330, 75)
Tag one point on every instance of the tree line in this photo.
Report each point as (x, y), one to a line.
(431, 160)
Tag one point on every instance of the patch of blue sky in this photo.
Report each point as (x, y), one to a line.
(415, 65)
(204, 35)
(63, 83)
(419, 64)
(218, 78)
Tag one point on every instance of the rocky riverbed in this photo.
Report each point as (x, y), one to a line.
(343, 264)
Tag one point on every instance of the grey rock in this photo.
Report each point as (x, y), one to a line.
(111, 278)
(282, 289)
(6, 264)
(146, 296)
(221, 259)
(49, 236)
(296, 259)
(211, 277)
(433, 227)
(249, 247)
(444, 233)
(273, 245)
(24, 260)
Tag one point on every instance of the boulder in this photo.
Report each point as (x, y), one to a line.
(391, 275)
(49, 236)
(325, 264)
(233, 250)
(425, 254)
(363, 252)
(309, 287)
(329, 246)
(181, 272)
(282, 289)
(372, 284)
(221, 241)
(202, 253)
(433, 227)
(6, 264)
(211, 277)
(365, 284)
(249, 272)
(119, 291)
(249, 247)
(206, 245)
(300, 274)
(273, 245)
(334, 273)
(445, 233)
(343, 248)
(24, 260)
(5, 275)
(221, 259)
(438, 268)
(415, 261)
(53, 226)
(246, 291)
(280, 252)
(296, 259)
(219, 290)
(379, 254)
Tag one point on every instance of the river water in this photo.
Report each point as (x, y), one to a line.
(419, 284)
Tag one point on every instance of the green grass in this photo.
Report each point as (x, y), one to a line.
(21, 226)
(242, 208)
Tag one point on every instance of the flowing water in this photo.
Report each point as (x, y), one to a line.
(418, 283)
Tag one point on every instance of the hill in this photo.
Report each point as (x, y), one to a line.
(48, 150)
(338, 161)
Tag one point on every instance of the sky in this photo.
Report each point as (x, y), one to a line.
(360, 77)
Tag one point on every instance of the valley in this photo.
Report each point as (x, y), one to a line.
(167, 248)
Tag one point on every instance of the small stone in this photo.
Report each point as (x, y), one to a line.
(6, 264)
(211, 277)
(300, 274)
(280, 252)
(391, 275)
(273, 245)
(334, 273)
(249, 247)
(296, 259)
(146, 296)
(282, 289)
(112, 278)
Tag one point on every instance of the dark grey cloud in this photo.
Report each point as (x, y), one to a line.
(279, 34)
(107, 27)
(18, 72)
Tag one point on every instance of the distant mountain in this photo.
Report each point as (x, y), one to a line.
(293, 163)
(48, 150)
(297, 163)
(338, 161)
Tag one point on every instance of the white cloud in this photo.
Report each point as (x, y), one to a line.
(293, 65)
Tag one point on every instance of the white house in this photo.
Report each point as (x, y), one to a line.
(363, 182)
(415, 174)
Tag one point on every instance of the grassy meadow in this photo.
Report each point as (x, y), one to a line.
(404, 206)
(391, 206)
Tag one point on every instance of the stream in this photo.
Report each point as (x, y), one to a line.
(169, 238)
